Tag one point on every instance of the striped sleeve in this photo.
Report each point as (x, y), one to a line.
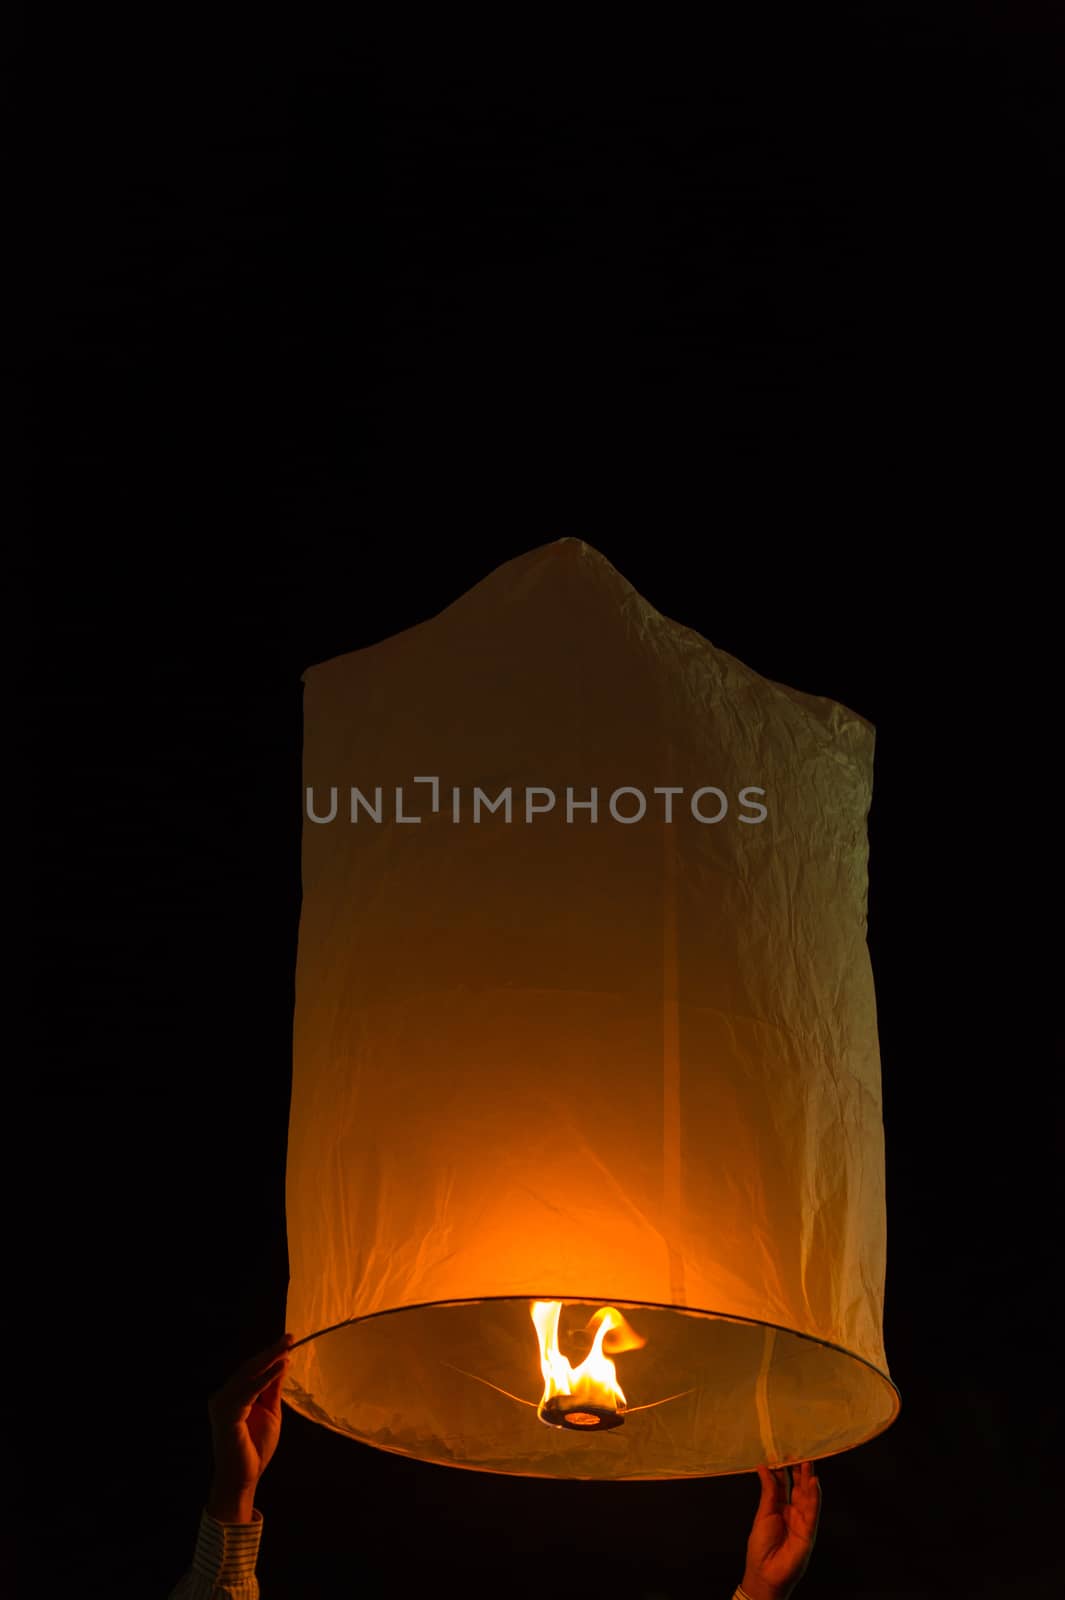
(223, 1564)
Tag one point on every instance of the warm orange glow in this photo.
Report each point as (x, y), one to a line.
(594, 1384)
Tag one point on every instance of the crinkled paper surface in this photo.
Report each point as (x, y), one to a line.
(589, 1061)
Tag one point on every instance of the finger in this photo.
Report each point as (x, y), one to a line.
(273, 1374)
(265, 1358)
(231, 1407)
(808, 1504)
(270, 1399)
(771, 1489)
(774, 1489)
(243, 1387)
(271, 1353)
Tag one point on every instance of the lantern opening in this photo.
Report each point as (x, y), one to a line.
(587, 1397)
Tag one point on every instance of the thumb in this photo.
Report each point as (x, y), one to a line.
(774, 1488)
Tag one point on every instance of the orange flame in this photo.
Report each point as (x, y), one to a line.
(595, 1381)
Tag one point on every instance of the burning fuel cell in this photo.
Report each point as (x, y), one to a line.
(587, 1398)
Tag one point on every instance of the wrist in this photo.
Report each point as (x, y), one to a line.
(756, 1588)
(230, 1505)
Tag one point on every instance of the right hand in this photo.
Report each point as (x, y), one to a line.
(245, 1418)
(784, 1531)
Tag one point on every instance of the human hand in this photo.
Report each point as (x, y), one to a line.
(785, 1527)
(245, 1418)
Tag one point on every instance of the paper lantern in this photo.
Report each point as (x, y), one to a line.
(585, 1160)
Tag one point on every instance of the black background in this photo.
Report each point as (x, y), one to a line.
(330, 328)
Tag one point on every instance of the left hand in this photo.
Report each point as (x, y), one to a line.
(785, 1527)
(245, 1418)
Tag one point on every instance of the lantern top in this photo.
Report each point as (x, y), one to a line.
(568, 599)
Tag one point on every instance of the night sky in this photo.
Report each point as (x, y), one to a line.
(331, 328)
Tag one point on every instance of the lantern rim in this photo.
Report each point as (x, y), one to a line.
(653, 1305)
(635, 1305)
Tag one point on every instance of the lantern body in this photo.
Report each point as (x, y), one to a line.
(573, 1057)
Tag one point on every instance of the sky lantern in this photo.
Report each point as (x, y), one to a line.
(585, 1161)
